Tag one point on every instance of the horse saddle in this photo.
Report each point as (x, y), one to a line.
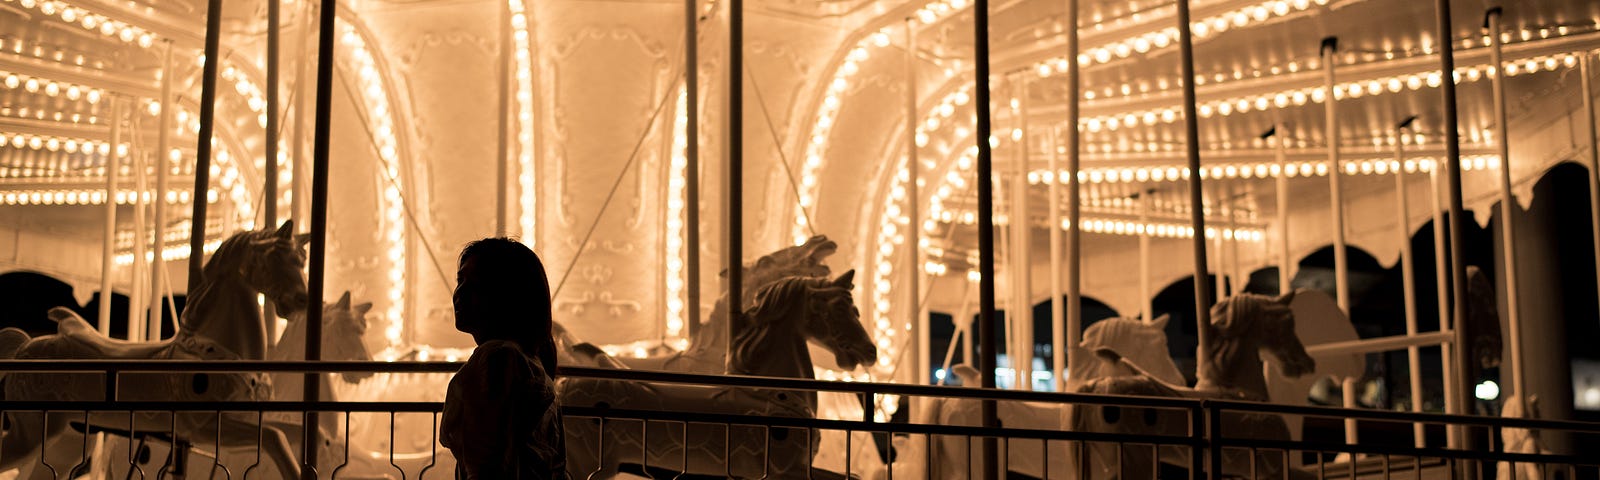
(71, 327)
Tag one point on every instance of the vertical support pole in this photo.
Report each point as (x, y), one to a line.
(691, 170)
(1072, 142)
(1441, 287)
(1508, 209)
(1022, 238)
(1060, 349)
(1280, 138)
(1147, 308)
(502, 160)
(320, 137)
(1197, 217)
(985, 179)
(202, 159)
(1237, 277)
(270, 172)
(1221, 274)
(1341, 265)
(136, 293)
(163, 162)
(914, 209)
(735, 173)
(108, 248)
(299, 187)
(1594, 157)
(1452, 162)
(1408, 277)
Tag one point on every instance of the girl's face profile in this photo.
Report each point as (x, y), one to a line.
(466, 299)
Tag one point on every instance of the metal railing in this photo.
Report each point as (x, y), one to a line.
(1210, 438)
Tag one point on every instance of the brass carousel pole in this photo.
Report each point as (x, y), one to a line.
(1074, 245)
(1407, 275)
(987, 346)
(1441, 275)
(1508, 210)
(735, 174)
(319, 218)
(1191, 124)
(270, 173)
(163, 163)
(502, 165)
(1594, 156)
(691, 169)
(202, 160)
(1280, 139)
(108, 247)
(914, 210)
(1452, 163)
(1059, 350)
(1341, 263)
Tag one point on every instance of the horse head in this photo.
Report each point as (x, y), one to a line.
(835, 323)
(1275, 321)
(1144, 344)
(344, 326)
(798, 309)
(273, 264)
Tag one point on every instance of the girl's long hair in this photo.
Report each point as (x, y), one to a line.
(512, 283)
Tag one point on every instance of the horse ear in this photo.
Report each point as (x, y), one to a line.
(1286, 298)
(286, 230)
(362, 308)
(1161, 322)
(846, 280)
(344, 301)
(301, 240)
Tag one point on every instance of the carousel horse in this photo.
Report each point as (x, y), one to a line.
(343, 327)
(708, 346)
(769, 341)
(222, 321)
(1521, 440)
(1146, 346)
(1242, 329)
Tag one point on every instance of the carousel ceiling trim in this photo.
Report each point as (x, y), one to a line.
(1149, 32)
(66, 76)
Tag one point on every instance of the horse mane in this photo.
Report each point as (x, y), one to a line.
(230, 255)
(773, 302)
(1229, 320)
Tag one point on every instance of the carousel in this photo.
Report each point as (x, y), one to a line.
(1246, 238)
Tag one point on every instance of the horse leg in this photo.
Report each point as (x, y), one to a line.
(273, 442)
(61, 451)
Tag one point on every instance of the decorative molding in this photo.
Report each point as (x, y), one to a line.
(604, 299)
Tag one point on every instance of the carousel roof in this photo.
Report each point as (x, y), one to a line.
(832, 112)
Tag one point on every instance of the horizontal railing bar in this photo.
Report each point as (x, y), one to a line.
(879, 388)
(237, 366)
(857, 425)
(1406, 417)
(230, 366)
(123, 407)
(1408, 451)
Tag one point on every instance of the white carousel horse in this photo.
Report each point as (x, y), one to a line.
(1146, 346)
(770, 341)
(222, 321)
(1242, 328)
(1521, 440)
(709, 345)
(343, 327)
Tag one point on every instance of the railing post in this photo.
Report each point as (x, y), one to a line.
(987, 349)
(321, 135)
(1452, 177)
(1214, 440)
